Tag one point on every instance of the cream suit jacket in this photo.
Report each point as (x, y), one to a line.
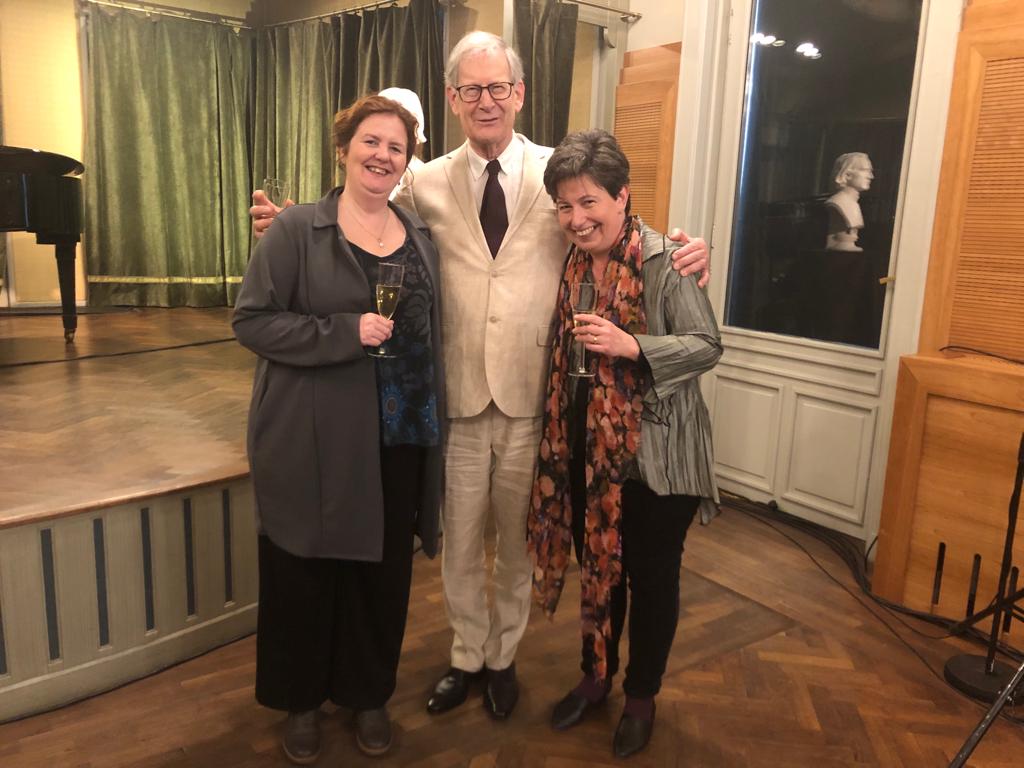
(497, 314)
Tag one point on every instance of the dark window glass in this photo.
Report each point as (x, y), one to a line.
(824, 122)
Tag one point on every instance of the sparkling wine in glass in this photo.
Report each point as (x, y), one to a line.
(389, 286)
(582, 298)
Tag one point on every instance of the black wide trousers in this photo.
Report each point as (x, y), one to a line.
(653, 531)
(333, 629)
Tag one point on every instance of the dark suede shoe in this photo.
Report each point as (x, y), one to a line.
(502, 691)
(301, 741)
(571, 709)
(373, 731)
(632, 734)
(451, 690)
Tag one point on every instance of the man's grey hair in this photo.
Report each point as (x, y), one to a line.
(481, 42)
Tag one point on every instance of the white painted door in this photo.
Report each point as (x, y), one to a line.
(802, 399)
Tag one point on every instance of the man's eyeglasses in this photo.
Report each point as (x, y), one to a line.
(472, 93)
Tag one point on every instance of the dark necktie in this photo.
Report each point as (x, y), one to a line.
(493, 214)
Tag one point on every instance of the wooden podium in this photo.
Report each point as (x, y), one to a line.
(960, 413)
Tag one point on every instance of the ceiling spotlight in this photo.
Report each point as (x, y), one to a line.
(760, 38)
(804, 47)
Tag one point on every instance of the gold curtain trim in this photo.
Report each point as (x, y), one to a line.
(162, 280)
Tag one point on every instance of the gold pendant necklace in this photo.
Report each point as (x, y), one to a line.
(379, 238)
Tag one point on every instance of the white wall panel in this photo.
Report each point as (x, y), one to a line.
(745, 426)
(828, 456)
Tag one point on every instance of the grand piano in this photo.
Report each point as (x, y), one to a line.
(40, 193)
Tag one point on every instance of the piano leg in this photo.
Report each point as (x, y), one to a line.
(66, 279)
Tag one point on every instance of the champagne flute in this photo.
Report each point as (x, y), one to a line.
(582, 298)
(276, 190)
(389, 286)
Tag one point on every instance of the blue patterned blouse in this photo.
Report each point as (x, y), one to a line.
(405, 382)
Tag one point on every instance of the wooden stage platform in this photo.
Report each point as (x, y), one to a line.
(126, 520)
(128, 409)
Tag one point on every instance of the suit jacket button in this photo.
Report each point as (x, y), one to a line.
(493, 318)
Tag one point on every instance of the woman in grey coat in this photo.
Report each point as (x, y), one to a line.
(345, 449)
(625, 455)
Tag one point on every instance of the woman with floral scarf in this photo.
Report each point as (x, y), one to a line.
(625, 456)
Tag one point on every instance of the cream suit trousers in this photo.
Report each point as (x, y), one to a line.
(490, 466)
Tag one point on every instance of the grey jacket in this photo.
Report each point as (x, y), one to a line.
(682, 342)
(313, 435)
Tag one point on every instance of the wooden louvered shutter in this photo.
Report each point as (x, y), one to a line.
(975, 295)
(645, 123)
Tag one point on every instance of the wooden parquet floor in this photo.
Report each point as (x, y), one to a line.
(774, 665)
(126, 417)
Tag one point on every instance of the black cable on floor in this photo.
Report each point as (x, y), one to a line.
(125, 353)
(843, 546)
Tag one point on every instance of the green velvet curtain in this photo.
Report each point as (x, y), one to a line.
(296, 81)
(308, 70)
(545, 32)
(167, 158)
(401, 47)
(185, 118)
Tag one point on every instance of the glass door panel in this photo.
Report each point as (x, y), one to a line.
(826, 103)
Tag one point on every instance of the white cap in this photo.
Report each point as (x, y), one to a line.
(411, 102)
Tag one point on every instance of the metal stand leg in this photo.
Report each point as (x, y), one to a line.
(982, 677)
(987, 720)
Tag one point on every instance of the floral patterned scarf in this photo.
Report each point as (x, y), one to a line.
(612, 440)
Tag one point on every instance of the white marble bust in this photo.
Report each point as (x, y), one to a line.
(851, 174)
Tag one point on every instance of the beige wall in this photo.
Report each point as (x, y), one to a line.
(662, 23)
(42, 109)
(582, 78)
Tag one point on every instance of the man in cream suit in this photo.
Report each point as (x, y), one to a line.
(496, 326)
(500, 271)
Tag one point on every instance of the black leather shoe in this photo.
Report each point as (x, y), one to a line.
(373, 731)
(502, 691)
(301, 741)
(570, 710)
(451, 690)
(632, 735)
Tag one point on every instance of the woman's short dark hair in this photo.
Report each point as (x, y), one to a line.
(348, 120)
(594, 153)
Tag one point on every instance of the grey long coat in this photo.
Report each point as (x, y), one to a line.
(313, 435)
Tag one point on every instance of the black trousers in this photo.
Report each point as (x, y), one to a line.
(333, 629)
(653, 531)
